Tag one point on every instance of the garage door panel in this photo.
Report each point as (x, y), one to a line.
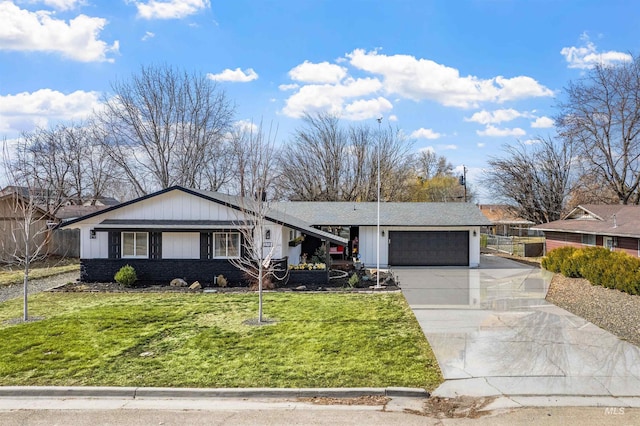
(429, 248)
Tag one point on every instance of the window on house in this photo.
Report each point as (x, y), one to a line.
(227, 244)
(589, 239)
(135, 244)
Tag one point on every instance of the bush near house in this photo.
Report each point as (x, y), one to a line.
(597, 265)
(126, 276)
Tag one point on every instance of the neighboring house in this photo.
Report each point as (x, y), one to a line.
(504, 222)
(13, 208)
(616, 227)
(188, 233)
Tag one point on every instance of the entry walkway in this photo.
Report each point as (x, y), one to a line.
(493, 333)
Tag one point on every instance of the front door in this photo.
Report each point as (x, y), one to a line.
(607, 242)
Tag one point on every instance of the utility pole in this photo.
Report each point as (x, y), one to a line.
(378, 222)
(463, 181)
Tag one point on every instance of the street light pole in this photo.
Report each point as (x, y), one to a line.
(378, 221)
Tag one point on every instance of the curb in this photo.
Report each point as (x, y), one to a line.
(196, 393)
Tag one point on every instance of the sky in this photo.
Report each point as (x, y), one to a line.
(462, 78)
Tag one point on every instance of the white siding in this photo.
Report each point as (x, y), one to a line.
(292, 252)
(180, 245)
(97, 248)
(367, 239)
(176, 205)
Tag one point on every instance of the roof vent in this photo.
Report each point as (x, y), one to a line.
(615, 222)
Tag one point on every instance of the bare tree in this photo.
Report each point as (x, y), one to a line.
(65, 160)
(429, 165)
(601, 116)
(533, 180)
(166, 127)
(27, 218)
(434, 181)
(325, 162)
(255, 155)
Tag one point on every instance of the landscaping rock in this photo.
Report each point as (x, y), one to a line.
(195, 286)
(178, 282)
(301, 288)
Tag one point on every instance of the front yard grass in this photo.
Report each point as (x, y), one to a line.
(14, 274)
(201, 340)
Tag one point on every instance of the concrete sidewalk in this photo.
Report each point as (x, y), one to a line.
(494, 334)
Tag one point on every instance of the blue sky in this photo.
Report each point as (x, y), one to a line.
(462, 78)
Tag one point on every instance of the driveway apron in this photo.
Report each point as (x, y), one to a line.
(493, 333)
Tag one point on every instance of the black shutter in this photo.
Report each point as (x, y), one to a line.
(155, 245)
(206, 245)
(114, 245)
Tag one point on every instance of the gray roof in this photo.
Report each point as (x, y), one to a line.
(275, 214)
(391, 214)
(611, 220)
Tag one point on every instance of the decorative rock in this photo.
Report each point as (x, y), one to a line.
(301, 287)
(178, 282)
(145, 354)
(195, 286)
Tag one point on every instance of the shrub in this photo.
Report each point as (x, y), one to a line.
(126, 276)
(597, 265)
(320, 255)
(221, 281)
(554, 259)
(354, 280)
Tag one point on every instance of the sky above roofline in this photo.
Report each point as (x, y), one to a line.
(462, 78)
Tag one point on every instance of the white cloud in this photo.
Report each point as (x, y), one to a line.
(285, 87)
(420, 79)
(427, 149)
(329, 97)
(542, 123)
(447, 147)
(22, 30)
(363, 109)
(493, 131)
(24, 111)
(170, 9)
(423, 133)
(587, 55)
(63, 4)
(495, 117)
(480, 144)
(148, 35)
(393, 117)
(323, 72)
(247, 126)
(235, 76)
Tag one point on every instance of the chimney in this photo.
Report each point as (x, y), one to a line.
(615, 222)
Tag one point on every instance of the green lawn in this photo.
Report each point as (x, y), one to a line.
(15, 274)
(201, 340)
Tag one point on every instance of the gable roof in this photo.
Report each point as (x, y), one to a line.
(8, 196)
(230, 201)
(339, 213)
(614, 220)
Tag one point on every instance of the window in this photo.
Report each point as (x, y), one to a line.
(589, 239)
(135, 244)
(226, 244)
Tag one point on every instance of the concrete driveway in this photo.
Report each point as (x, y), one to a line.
(493, 333)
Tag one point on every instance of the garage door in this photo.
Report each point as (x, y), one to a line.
(429, 248)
